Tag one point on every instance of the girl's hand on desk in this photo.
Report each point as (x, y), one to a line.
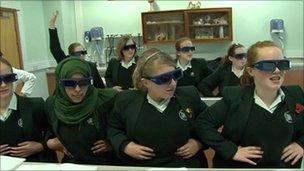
(245, 154)
(189, 149)
(101, 146)
(139, 152)
(26, 149)
(4, 149)
(292, 152)
(56, 145)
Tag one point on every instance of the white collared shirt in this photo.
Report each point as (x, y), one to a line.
(237, 72)
(128, 65)
(160, 106)
(27, 78)
(12, 106)
(274, 104)
(179, 65)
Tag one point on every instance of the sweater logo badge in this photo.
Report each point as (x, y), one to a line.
(299, 108)
(192, 74)
(90, 121)
(185, 114)
(20, 123)
(182, 115)
(288, 117)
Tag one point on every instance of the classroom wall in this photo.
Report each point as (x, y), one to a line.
(250, 24)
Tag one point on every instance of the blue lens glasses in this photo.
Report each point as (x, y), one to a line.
(240, 56)
(74, 82)
(271, 65)
(187, 49)
(167, 77)
(79, 53)
(8, 78)
(127, 47)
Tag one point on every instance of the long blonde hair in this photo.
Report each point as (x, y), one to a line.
(252, 57)
(147, 63)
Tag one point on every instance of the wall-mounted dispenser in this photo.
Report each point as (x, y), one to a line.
(277, 30)
(276, 26)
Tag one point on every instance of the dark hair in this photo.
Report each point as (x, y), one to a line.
(179, 42)
(231, 52)
(252, 57)
(121, 44)
(147, 63)
(73, 46)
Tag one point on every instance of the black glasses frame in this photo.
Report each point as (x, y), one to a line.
(8, 78)
(167, 77)
(74, 82)
(271, 65)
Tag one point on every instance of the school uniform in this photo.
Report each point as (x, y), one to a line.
(27, 122)
(79, 125)
(119, 75)
(194, 73)
(59, 55)
(220, 78)
(135, 119)
(246, 123)
(79, 138)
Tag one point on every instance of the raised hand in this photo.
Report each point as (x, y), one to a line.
(292, 152)
(189, 149)
(245, 154)
(52, 23)
(139, 152)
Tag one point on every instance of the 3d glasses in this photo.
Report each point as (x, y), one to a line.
(240, 56)
(79, 53)
(271, 65)
(167, 77)
(127, 47)
(8, 78)
(74, 82)
(187, 49)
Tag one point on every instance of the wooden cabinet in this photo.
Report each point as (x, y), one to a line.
(163, 26)
(201, 25)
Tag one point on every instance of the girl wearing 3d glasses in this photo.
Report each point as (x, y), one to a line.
(228, 74)
(153, 125)
(263, 120)
(119, 71)
(77, 112)
(23, 124)
(75, 49)
(194, 69)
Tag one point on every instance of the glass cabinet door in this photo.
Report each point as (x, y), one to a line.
(209, 25)
(163, 27)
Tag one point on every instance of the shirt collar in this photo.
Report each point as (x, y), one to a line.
(280, 97)
(238, 73)
(160, 106)
(12, 106)
(128, 65)
(179, 65)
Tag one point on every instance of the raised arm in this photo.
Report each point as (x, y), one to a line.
(55, 47)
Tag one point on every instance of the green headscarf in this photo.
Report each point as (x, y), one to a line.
(73, 113)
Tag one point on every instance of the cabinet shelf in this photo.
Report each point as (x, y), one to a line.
(168, 26)
(211, 25)
(164, 22)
